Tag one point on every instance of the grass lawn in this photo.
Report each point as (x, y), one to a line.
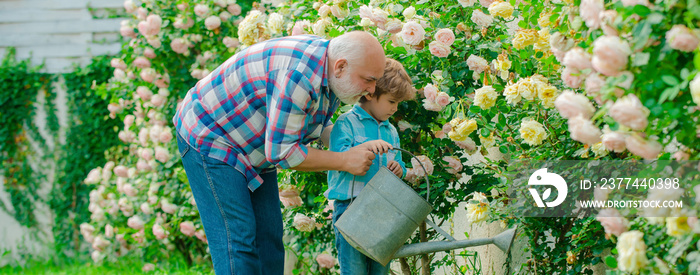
(128, 266)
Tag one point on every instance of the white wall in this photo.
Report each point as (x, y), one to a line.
(58, 33)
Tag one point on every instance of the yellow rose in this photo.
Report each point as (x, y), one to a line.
(485, 97)
(599, 149)
(547, 94)
(632, 251)
(487, 142)
(543, 20)
(512, 95)
(677, 226)
(542, 43)
(532, 132)
(454, 135)
(524, 38)
(502, 62)
(695, 89)
(251, 28)
(476, 212)
(466, 127)
(500, 8)
(527, 89)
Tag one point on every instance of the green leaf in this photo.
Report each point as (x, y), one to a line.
(611, 261)
(522, 24)
(696, 60)
(670, 80)
(503, 149)
(640, 59)
(641, 35)
(641, 10)
(669, 94)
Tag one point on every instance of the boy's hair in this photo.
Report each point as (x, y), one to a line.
(394, 82)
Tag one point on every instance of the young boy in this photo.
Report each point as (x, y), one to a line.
(367, 125)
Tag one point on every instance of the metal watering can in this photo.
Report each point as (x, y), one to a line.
(387, 212)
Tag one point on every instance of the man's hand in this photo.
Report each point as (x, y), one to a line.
(357, 160)
(395, 167)
(377, 146)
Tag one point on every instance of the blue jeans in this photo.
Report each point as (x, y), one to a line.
(351, 261)
(244, 229)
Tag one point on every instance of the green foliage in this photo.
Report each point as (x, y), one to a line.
(89, 134)
(20, 84)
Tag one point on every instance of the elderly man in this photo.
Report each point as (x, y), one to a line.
(255, 113)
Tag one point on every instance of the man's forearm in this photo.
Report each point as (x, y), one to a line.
(321, 160)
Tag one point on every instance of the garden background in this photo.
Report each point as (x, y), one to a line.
(92, 181)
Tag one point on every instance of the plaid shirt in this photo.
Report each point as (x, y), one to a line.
(351, 129)
(261, 107)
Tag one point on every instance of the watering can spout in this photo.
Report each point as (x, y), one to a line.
(503, 241)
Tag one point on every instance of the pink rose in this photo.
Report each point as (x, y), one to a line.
(630, 112)
(682, 38)
(578, 59)
(468, 145)
(146, 208)
(590, 12)
(165, 136)
(412, 33)
(379, 17)
(394, 26)
(304, 223)
(162, 81)
(447, 127)
(141, 13)
(162, 154)
(612, 221)
(99, 243)
(224, 16)
(142, 62)
(593, 84)
(442, 99)
(127, 31)
(486, 3)
(179, 45)
(158, 100)
(454, 165)
(234, 9)
(570, 104)
(148, 52)
(86, 230)
(324, 10)
(290, 197)
(608, 18)
(583, 130)
(572, 77)
(201, 236)
(481, 19)
(212, 22)
(430, 92)
(159, 232)
(614, 141)
(148, 267)
(610, 55)
(431, 105)
(647, 149)
(202, 10)
(477, 63)
(147, 154)
(183, 23)
(187, 228)
(121, 171)
(168, 207)
(325, 261)
(300, 27)
(148, 75)
(129, 190)
(427, 164)
(93, 176)
(182, 7)
(341, 13)
(118, 64)
(143, 136)
(143, 166)
(129, 6)
(628, 3)
(681, 156)
(445, 36)
(438, 49)
(144, 92)
(154, 42)
(135, 222)
(440, 134)
(231, 42)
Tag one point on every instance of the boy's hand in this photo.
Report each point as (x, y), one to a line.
(395, 167)
(377, 146)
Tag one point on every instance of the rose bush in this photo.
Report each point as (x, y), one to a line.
(570, 79)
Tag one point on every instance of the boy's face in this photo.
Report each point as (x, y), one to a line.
(382, 107)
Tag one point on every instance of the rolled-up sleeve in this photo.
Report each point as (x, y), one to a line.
(287, 110)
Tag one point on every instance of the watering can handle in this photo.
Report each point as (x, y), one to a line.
(427, 181)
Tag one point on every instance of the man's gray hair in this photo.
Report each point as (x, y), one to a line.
(345, 47)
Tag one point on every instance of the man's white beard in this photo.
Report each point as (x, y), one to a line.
(344, 89)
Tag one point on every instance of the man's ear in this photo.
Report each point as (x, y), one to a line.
(340, 66)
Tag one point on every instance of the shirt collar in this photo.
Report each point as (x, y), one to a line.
(362, 115)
